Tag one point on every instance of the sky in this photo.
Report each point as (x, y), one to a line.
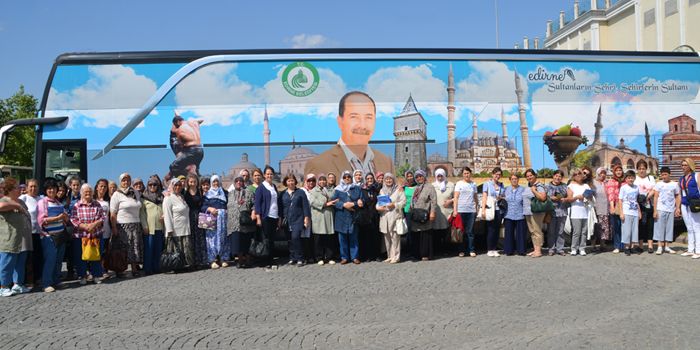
(34, 33)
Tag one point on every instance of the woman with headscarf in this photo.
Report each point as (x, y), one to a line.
(690, 189)
(349, 199)
(239, 220)
(390, 213)
(367, 218)
(215, 201)
(409, 185)
(194, 196)
(138, 185)
(176, 217)
(127, 224)
(424, 210)
(445, 191)
(613, 190)
(325, 242)
(152, 199)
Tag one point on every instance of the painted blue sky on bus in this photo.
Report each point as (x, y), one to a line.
(232, 98)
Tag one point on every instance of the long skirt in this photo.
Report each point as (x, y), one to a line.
(184, 244)
(130, 238)
(198, 239)
(217, 240)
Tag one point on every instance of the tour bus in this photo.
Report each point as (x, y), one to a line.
(378, 110)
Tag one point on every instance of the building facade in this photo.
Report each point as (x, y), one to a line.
(295, 161)
(627, 25)
(410, 135)
(681, 141)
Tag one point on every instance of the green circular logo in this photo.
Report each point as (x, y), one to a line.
(300, 79)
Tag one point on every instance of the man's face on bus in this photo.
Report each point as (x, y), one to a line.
(358, 120)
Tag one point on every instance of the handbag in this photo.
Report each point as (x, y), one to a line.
(172, 259)
(91, 249)
(490, 212)
(245, 219)
(419, 215)
(259, 246)
(206, 221)
(538, 206)
(401, 226)
(456, 228)
(115, 259)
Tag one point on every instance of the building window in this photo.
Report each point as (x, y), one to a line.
(649, 17)
(405, 128)
(405, 149)
(675, 128)
(670, 7)
(692, 128)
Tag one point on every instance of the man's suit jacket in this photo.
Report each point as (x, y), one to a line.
(334, 160)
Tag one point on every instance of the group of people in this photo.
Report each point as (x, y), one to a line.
(349, 218)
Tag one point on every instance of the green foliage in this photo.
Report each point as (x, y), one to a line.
(19, 149)
(545, 173)
(582, 159)
(403, 169)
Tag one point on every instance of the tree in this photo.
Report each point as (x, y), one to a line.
(582, 159)
(403, 169)
(545, 173)
(19, 149)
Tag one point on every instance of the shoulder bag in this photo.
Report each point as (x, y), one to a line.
(115, 259)
(693, 203)
(172, 259)
(401, 226)
(206, 221)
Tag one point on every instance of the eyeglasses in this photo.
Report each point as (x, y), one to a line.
(311, 180)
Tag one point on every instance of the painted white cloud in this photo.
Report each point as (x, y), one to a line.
(391, 87)
(583, 78)
(490, 82)
(305, 41)
(110, 97)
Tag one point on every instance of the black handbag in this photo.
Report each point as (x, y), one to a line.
(172, 260)
(419, 215)
(694, 205)
(244, 218)
(259, 246)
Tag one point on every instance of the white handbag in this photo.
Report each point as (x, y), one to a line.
(490, 211)
(401, 227)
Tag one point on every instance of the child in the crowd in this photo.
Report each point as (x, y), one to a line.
(631, 213)
(667, 204)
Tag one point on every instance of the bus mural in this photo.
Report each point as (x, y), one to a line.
(381, 111)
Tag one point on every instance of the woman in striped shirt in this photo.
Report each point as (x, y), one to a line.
(52, 220)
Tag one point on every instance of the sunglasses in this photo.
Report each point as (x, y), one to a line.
(311, 180)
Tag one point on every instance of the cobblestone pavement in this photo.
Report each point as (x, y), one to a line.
(598, 301)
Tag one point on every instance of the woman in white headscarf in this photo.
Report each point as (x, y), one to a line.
(128, 227)
(445, 199)
(389, 213)
(215, 202)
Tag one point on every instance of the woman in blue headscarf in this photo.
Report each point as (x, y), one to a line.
(215, 201)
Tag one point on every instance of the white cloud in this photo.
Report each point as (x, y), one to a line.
(305, 41)
(110, 97)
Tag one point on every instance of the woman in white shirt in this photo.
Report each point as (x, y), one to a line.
(127, 228)
(646, 184)
(576, 196)
(31, 199)
(465, 204)
(176, 217)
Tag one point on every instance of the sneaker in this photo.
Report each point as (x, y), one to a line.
(83, 281)
(582, 252)
(659, 251)
(18, 289)
(489, 253)
(6, 292)
(669, 250)
(49, 289)
(573, 252)
(628, 252)
(320, 262)
(224, 264)
(495, 254)
(214, 266)
(331, 262)
(651, 250)
(687, 253)
(695, 256)
(616, 251)
(300, 263)
(472, 254)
